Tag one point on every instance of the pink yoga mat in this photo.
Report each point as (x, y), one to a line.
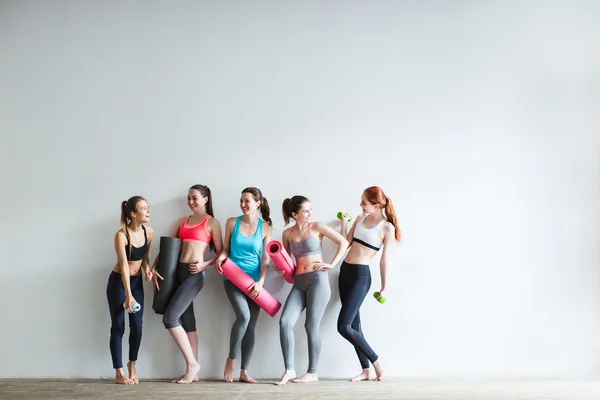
(243, 281)
(281, 259)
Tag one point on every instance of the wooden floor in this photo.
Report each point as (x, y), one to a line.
(398, 389)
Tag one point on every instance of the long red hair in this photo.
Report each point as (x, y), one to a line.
(375, 195)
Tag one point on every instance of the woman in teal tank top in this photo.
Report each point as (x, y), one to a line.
(245, 240)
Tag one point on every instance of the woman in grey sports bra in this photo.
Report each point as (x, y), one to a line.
(311, 288)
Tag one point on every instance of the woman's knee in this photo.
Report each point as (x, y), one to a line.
(344, 328)
(170, 320)
(286, 323)
(136, 323)
(243, 320)
(117, 330)
(312, 327)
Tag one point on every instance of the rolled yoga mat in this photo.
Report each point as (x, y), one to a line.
(281, 259)
(243, 281)
(167, 268)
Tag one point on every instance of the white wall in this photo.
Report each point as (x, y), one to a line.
(478, 118)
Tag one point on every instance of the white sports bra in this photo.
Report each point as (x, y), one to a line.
(369, 237)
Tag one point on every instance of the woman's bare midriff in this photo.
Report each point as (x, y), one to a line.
(135, 268)
(191, 252)
(306, 264)
(360, 254)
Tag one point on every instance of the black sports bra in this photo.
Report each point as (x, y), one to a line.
(136, 253)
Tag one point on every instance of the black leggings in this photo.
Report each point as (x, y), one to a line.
(115, 293)
(354, 283)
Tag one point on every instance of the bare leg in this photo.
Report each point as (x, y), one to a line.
(229, 370)
(289, 374)
(132, 372)
(183, 342)
(121, 378)
(193, 337)
(244, 377)
(364, 376)
(378, 371)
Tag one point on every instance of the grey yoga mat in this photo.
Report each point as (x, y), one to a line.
(167, 268)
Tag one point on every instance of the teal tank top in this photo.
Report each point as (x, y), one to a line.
(245, 251)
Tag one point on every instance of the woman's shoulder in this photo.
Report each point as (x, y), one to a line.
(121, 235)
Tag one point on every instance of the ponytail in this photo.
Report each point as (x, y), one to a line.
(126, 209)
(265, 211)
(285, 211)
(209, 207)
(390, 214)
(125, 221)
(209, 210)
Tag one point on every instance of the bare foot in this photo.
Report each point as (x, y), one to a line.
(308, 377)
(287, 375)
(244, 377)
(120, 378)
(378, 371)
(229, 369)
(196, 379)
(132, 372)
(364, 376)
(190, 374)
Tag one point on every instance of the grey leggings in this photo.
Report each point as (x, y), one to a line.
(181, 306)
(242, 331)
(311, 290)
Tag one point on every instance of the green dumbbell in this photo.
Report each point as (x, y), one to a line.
(381, 299)
(340, 215)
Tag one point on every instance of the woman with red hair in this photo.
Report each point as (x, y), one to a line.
(376, 228)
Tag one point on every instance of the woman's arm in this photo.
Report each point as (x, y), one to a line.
(120, 243)
(265, 257)
(388, 240)
(155, 275)
(335, 237)
(229, 225)
(217, 239)
(146, 260)
(256, 287)
(344, 229)
(174, 233)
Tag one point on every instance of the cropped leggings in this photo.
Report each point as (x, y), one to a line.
(181, 306)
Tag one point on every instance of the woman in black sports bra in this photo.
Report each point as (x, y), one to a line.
(125, 287)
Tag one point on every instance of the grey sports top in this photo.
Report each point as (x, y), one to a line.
(307, 247)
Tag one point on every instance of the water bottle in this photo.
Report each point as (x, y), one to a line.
(135, 307)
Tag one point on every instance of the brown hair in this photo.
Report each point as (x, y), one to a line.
(292, 205)
(265, 211)
(127, 207)
(205, 192)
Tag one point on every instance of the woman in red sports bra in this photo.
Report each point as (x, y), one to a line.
(197, 232)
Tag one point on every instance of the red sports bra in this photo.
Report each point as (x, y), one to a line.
(194, 233)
